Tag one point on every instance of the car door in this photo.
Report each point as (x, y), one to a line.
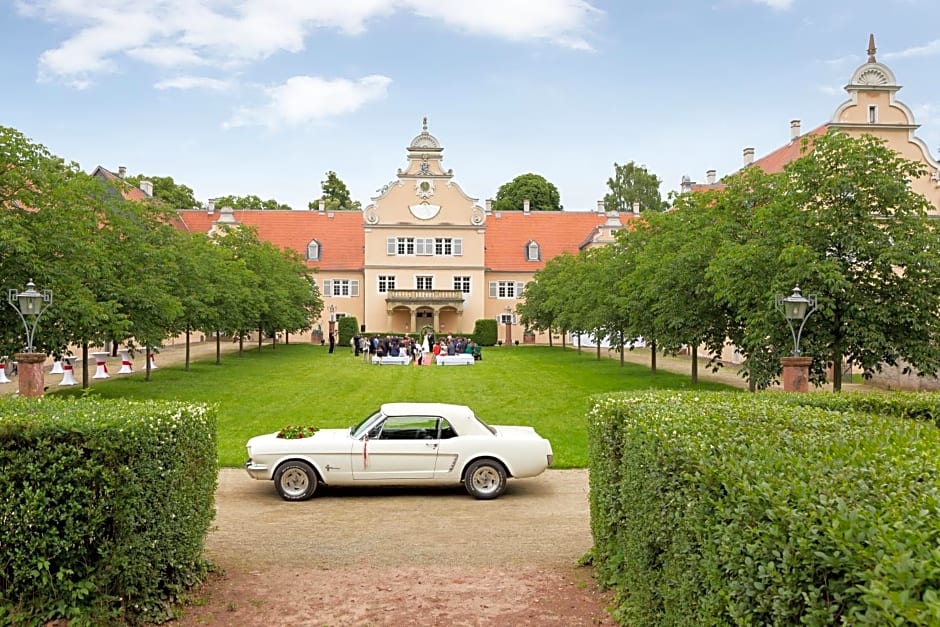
(399, 448)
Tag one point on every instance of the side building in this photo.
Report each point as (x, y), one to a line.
(424, 254)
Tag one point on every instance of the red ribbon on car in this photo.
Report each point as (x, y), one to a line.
(365, 450)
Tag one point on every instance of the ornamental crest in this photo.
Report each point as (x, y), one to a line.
(424, 189)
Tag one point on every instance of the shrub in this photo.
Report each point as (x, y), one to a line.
(485, 332)
(348, 328)
(104, 508)
(732, 509)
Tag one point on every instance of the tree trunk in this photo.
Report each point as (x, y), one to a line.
(653, 357)
(598, 350)
(147, 362)
(218, 348)
(693, 350)
(260, 338)
(621, 349)
(241, 343)
(84, 365)
(186, 366)
(564, 333)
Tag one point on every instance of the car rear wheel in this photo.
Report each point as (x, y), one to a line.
(295, 481)
(485, 479)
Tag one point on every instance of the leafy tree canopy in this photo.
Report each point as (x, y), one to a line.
(336, 195)
(165, 189)
(542, 195)
(250, 203)
(632, 183)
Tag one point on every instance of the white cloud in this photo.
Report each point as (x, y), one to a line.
(194, 82)
(776, 4)
(175, 33)
(927, 50)
(305, 99)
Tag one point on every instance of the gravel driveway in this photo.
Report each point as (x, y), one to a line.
(401, 556)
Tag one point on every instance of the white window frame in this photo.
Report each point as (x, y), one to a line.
(341, 288)
(386, 281)
(424, 278)
(506, 289)
(505, 318)
(313, 250)
(424, 246)
(462, 283)
(533, 252)
(873, 114)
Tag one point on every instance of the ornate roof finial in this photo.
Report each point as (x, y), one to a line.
(424, 124)
(871, 48)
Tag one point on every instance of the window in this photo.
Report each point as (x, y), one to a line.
(406, 428)
(532, 252)
(341, 287)
(424, 282)
(386, 283)
(506, 319)
(440, 246)
(313, 250)
(462, 284)
(506, 289)
(872, 114)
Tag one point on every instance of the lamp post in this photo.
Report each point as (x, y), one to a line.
(796, 308)
(332, 309)
(508, 319)
(30, 305)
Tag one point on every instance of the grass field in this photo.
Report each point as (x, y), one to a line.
(260, 392)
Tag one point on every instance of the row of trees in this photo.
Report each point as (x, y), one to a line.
(121, 271)
(842, 222)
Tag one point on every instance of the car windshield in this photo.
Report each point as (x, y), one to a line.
(357, 431)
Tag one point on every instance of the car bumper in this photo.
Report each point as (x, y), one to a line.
(257, 471)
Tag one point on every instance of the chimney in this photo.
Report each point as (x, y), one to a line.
(489, 205)
(525, 205)
(636, 208)
(748, 156)
(710, 177)
(210, 206)
(122, 171)
(600, 206)
(794, 129)
(322, 205)
(147, 188)
(686, 185)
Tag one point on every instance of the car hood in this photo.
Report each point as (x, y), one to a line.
(320, 439)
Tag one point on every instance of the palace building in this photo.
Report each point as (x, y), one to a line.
(424, 254)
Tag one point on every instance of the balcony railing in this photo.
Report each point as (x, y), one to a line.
(424, 296)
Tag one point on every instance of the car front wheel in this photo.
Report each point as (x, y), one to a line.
(485, 479)
(295, 481)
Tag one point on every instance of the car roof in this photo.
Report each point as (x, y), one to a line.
(460, 417)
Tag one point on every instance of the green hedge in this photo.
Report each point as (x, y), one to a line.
(104, 508)
(485, 331)
(729, 509)
(915, 405)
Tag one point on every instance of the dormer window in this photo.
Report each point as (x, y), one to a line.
(532, 251)
(313, 251)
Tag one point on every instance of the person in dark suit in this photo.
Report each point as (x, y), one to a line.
(332, 341)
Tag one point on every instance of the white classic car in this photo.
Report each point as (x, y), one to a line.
(402, 444)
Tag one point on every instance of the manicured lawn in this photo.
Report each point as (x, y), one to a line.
(260, 392)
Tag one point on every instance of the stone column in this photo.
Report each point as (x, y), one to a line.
(30, 373)
(796, 373)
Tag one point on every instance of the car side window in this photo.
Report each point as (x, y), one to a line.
(447, 431)
(407, 428)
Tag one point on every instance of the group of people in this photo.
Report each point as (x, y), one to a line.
(419, 352)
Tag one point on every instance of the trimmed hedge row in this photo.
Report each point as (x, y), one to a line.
(104, 508)
(730, 509)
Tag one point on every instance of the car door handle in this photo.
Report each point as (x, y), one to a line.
(431, 444)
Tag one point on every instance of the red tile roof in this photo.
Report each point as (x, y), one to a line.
(128, 191)
(340, 233)
(774, 162)
(556, 232)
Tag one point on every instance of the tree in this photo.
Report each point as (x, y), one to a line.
(845, 225)
(250, 203)
(336, 195)
(165, 189)
(633, 184)
(542, 195)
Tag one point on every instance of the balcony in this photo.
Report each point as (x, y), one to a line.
(417, 298)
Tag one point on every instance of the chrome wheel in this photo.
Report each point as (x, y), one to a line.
(295, 481)
(485, 479)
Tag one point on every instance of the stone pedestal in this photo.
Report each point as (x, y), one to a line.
(796, 373)
(316, 337)
(31, 376)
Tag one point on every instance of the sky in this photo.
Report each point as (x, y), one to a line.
(264, 97)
